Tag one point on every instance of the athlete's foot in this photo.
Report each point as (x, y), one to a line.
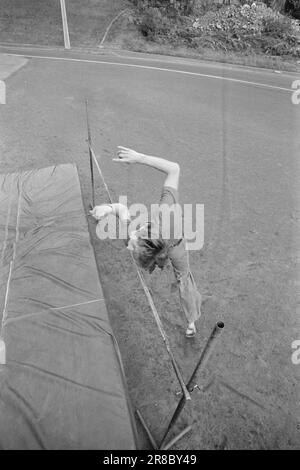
(190, 331)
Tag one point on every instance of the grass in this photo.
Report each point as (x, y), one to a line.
(88, 19)
(31, 22)
(125, 35)
(38, 22)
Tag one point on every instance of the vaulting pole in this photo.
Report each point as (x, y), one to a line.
(149, 298)
(205, 354)
(90, 152)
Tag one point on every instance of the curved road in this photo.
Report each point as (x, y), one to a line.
(235, 133)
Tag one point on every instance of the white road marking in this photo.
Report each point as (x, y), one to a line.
(65, 24)
(148, 67)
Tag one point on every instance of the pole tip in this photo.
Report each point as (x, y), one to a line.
(220, 324)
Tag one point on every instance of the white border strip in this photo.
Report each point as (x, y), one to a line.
(148, 67)
(65, 24)
(4, 313)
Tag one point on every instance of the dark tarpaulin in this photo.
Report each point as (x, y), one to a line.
(63, 386)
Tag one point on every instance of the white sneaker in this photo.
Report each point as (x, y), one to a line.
(190, 331)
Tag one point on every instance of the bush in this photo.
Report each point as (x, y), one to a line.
(158, 27)
(201, 7)
(278, 37)
(277, 27)
(255, 28)
(293, 8)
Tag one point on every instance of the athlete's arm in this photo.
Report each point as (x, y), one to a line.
(171, 169)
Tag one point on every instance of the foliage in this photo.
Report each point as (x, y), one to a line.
(255, 28)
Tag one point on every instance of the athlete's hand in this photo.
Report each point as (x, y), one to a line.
(126, 155)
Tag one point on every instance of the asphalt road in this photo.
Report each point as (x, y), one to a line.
(235, 133)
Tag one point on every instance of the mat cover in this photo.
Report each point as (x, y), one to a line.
(63, 385)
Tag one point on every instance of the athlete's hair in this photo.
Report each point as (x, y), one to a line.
(151, 251)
